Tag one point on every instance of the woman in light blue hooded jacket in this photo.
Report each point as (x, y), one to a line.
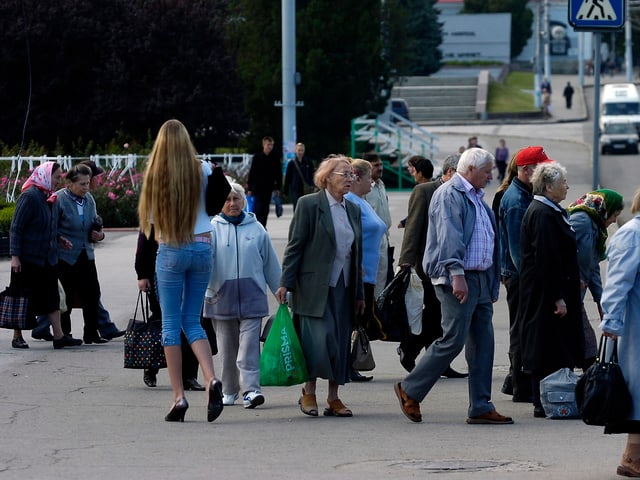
(244, 265)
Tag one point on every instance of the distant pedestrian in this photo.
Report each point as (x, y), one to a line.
(299, 175)
(546, 84)
(546, 103)
(568, 94)
(472, 142)
(265, 179)
(502, 157)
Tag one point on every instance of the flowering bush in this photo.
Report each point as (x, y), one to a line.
(116, 195)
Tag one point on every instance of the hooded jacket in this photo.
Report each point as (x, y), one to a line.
(244, 264)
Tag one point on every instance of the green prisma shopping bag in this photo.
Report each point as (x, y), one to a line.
(282, 361)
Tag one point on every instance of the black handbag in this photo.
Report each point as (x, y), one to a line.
(392, 310)
(218, 189)
(601, 393)
(361, 354)
(142, 340)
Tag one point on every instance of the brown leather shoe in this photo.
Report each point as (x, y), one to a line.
(490, 418)
(408, 405)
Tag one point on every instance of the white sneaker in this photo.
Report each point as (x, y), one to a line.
(229, 398)
(253, 399)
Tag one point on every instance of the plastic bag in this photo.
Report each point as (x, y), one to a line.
(413, 301)
(558, 396)
(282, 362)
(249, 206)
(277, 201)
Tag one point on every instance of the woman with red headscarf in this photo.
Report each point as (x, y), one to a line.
(34, 249)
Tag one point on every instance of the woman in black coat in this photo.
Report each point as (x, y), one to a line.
(549, 313)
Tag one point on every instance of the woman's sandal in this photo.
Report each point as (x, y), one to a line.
(337, 409)
(308, 404)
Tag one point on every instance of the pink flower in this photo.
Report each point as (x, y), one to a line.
(112, 196)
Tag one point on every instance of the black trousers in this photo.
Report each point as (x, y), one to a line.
(81, 287)
(520, 381)
(261, 206)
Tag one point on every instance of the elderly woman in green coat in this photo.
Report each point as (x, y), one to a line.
(322, 270)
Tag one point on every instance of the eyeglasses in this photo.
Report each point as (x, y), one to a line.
(346, 175)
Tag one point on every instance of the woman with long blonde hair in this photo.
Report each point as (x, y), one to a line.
(173, 202)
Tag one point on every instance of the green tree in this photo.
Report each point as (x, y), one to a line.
(416, 36)
(521, 18)
(338, 54)
(116, 69)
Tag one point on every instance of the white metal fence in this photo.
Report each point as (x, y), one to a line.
(235, 163)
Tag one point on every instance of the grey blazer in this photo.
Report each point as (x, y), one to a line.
(308, 257)
(73, 228)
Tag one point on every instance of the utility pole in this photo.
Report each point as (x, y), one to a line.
(547, 42)
(628, 51)
(537, 80)
(289, 79)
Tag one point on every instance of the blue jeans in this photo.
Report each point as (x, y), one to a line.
(468, 325)
(182, 276)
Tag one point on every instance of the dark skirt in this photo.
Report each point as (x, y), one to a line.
(41, 283)
(626, 426)
(326, 340)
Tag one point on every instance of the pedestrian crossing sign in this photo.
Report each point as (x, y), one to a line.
(597, 15)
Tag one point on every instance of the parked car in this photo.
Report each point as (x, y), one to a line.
(619, 137)
(399, 107)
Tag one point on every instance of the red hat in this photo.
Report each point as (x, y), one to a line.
(531, 156)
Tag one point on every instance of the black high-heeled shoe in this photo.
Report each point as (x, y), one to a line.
(215, 406)
(176, 414)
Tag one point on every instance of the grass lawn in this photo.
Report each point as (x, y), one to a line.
(512, 96)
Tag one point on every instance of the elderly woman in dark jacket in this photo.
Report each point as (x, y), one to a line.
(34, 249)
(78, 273)
(550, 308)
(590, 216)
(322, 270)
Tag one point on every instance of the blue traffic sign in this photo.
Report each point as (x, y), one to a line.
(597, 14)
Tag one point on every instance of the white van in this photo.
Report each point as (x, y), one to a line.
(620, 103)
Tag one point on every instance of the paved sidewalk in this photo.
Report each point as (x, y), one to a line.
(77, 414)
(578, 111)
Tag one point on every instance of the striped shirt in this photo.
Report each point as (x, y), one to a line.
(479, 254)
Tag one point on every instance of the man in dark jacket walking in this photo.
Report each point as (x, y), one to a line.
(568, 94)
(265, 178)
(299, 175)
